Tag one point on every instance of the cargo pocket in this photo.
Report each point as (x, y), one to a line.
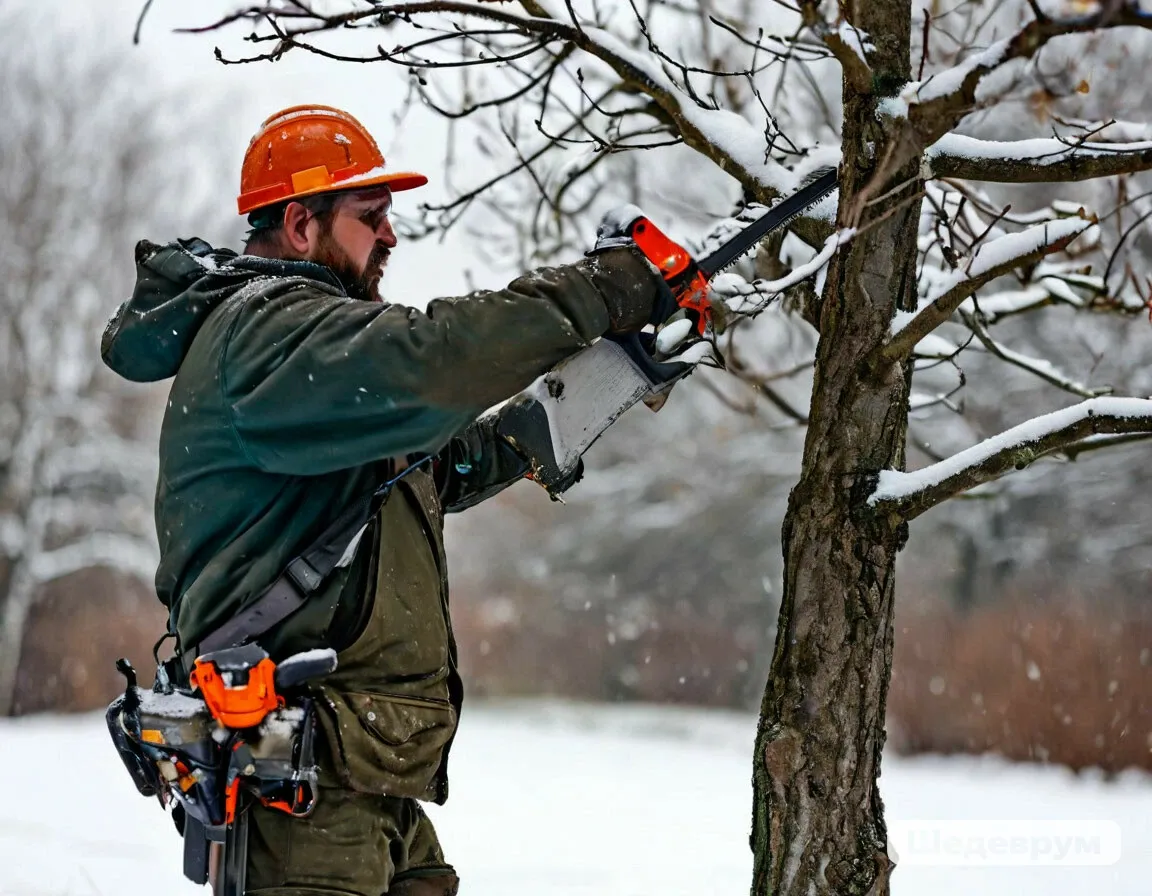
(388, 744)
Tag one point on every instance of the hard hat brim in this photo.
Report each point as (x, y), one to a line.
(396, 180)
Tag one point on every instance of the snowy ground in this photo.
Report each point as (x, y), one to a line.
(560, 799)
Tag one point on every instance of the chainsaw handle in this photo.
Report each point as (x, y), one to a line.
(676, 265)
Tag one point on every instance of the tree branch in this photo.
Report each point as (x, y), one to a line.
(735, 145)
(1045, 160)
(1035, 366)
(1099, 443)
(850, 46)
(991, 260)
(931, 108)
(908, 495)
(744, 298)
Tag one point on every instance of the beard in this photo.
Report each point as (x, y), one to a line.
(363, 284)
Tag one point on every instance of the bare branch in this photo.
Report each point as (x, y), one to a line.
(762, 385)
(140, 21)
(991, 260)
(907, 495)
(723, 136)
(1036, 366)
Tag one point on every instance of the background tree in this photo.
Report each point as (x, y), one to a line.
(913, 266)
(95, 172)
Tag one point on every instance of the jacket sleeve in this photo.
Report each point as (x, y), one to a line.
(315, 382)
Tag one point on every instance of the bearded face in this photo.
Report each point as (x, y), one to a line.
(359, 282)
(354, 240)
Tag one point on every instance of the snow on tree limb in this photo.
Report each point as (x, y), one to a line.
(991, 260)
(743, 297)
(934, 106)
(851, 47)
(1046, 370)
(732, 142)
(1044, 160)
(910, 494)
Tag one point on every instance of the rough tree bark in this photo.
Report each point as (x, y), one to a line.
(821, 728)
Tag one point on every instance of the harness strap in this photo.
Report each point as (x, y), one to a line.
(300, 579)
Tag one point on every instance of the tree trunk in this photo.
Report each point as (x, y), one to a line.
(14, 612)
(818, 824)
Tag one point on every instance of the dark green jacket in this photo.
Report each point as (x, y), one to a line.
(287, 395)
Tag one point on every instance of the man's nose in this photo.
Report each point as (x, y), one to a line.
(387, 234)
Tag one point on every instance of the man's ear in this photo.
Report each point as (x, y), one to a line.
(296, 233)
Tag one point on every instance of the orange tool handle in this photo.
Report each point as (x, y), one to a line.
(688, 284)
(237, 704)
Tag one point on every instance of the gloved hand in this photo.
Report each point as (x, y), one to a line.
(613, 234)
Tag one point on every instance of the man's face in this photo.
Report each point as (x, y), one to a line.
(356, 240)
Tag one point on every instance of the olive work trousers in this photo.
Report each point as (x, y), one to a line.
(386, 717)
(353, 844)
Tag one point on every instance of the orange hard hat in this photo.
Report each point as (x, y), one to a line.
(304, 150)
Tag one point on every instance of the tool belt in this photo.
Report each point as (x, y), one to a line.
(237, 737)
(241, 732)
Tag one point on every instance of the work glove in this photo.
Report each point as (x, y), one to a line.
(614, 242)
(676, 338)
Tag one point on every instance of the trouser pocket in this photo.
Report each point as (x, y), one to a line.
(388, 744)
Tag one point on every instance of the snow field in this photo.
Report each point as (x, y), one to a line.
(564, 799)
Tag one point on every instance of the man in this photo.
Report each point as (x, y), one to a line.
(297, 392)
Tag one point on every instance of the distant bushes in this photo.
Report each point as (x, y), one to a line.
(1061, 681)
(74, 636)
(1068, 681)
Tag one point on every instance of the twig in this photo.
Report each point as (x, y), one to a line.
(140, 21)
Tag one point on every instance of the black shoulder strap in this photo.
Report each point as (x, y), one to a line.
(302, 577)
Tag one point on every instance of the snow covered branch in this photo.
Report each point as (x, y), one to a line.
(1044, 160)
(934, 106)
(744, 298)
(851, 47)
(991, 260)
(910, 494)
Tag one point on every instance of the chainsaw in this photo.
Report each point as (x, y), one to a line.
(556, 419)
